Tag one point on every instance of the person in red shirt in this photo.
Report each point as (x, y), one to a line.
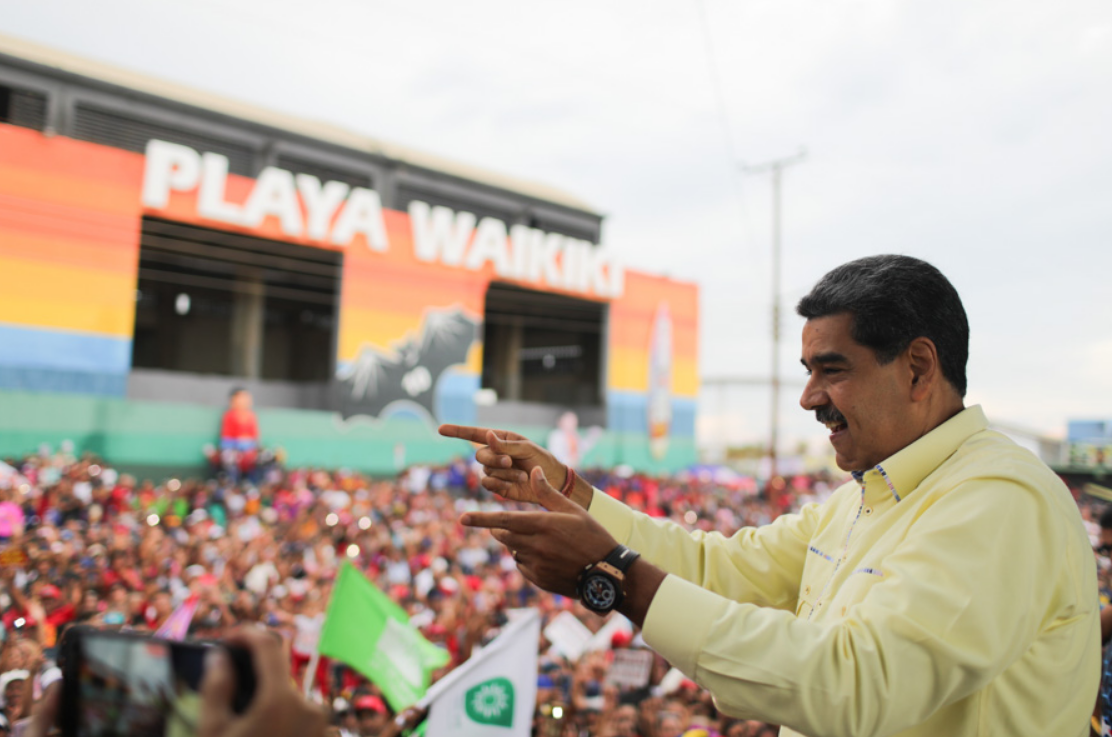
(239, 429)
(239, 434)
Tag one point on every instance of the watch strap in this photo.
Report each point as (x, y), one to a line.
(621, 558)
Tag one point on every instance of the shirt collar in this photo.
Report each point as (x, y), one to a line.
(900, 474)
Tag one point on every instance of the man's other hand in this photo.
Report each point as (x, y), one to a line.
(507, 460)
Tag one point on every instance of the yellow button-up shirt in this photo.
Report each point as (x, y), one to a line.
(950, 591)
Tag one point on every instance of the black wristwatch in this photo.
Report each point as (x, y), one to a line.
(600, 586)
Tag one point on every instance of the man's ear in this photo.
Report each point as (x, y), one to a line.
(922, 359)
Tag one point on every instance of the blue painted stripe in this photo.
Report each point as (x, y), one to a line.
(455, 397)
(66, 382)
(22, 347)
(628, 412)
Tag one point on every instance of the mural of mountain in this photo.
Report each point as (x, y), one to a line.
(408, 372)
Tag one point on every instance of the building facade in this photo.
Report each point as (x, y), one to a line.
(159, 247)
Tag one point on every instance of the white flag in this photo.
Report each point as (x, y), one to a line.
(494, 693)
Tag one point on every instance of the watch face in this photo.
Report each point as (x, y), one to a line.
(600, 593)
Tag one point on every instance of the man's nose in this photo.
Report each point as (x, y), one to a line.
(813, 396)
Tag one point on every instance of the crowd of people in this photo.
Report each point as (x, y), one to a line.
(81, 543)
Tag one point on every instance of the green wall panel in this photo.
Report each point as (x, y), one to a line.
(168, 437)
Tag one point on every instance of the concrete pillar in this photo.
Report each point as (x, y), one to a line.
(248, 322)
(512, 367)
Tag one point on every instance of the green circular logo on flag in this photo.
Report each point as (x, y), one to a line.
(491, 702)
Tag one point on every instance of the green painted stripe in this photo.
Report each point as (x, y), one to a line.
(168, 435)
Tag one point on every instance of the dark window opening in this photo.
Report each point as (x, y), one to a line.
(24, 108)
(211, 302)
(543, 348)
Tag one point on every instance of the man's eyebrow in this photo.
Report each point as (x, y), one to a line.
(823, 359)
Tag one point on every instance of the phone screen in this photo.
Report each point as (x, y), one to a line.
(133, 686)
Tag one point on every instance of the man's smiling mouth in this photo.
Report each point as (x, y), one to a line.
(834, 420)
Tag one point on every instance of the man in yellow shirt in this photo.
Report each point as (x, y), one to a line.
(948, 590)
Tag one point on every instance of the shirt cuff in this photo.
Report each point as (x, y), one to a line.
(616, 517)
(679, 620)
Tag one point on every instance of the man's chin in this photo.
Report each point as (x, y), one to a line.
(849, 465)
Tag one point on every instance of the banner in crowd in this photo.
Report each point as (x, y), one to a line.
(631, 668)
(569, 636)
(366, 630)
(493, 694)
(176, 626)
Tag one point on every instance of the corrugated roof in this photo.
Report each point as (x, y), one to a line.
(50, 57)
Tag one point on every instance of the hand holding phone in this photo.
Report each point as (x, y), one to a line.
(136, 686)
(277, 709)
(133, 685)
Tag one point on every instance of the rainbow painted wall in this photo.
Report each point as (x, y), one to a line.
(69, 250)
(70, 218)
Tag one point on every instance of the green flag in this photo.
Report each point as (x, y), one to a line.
(366, 630)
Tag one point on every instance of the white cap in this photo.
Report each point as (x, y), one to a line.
(12, 675)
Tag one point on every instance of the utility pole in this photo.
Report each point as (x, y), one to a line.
(776, 168)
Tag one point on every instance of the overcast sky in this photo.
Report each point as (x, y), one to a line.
(976, 134)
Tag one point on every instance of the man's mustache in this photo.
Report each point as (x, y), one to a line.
(828, 413)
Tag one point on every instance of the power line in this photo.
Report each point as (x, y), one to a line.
(716, 80)
(776, 168)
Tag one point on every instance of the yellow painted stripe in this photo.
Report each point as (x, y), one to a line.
(629, 371)
(685, 380)
(379, 328)
(50, 296)
(474, 363)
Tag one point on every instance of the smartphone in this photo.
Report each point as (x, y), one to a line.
(132, 685)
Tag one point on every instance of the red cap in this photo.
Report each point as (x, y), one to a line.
(621, 638)
(50, 591)
(370, 703)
